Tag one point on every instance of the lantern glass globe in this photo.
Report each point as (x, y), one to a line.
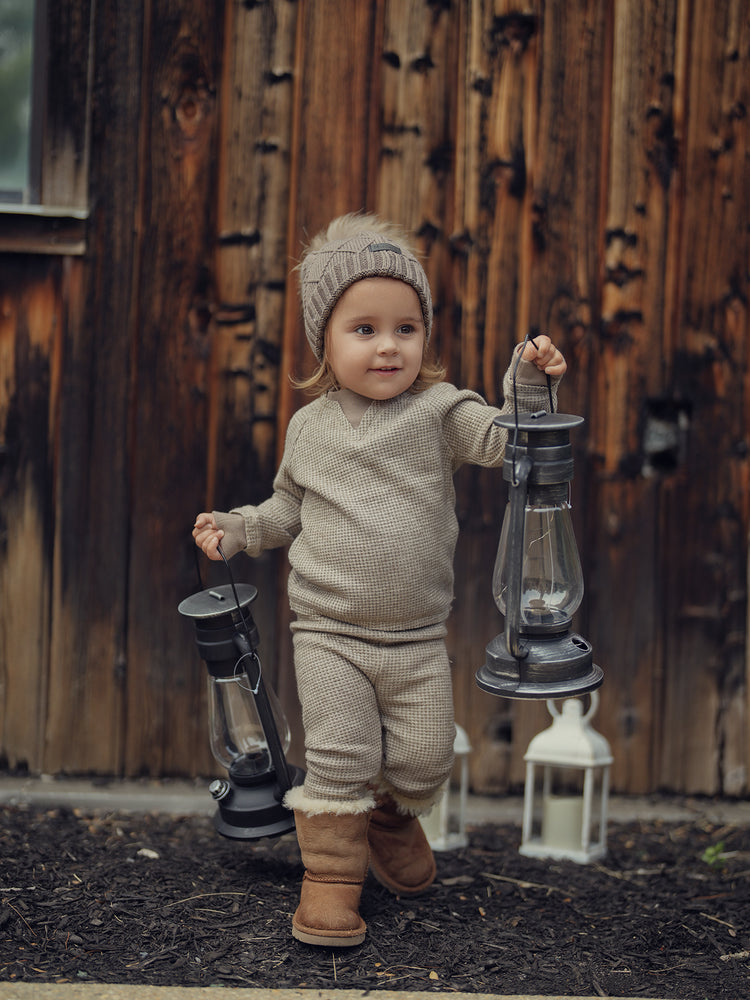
(551, 578)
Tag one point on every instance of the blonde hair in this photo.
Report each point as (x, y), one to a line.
(347, 227)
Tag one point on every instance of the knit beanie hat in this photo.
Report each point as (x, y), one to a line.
(367, 248)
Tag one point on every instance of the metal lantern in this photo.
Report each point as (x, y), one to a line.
(565, 814)
(248, 731)
(537, 583)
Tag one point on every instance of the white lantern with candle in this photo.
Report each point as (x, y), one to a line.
(565, 813)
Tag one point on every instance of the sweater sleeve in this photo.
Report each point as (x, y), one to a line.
(277, 521)
(469, 422)
(529, 386)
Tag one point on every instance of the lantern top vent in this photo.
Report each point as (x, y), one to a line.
(571, 740)
(217, 601)
(539, 421)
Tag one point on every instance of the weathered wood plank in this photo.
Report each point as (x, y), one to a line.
(85, 729)
(335, 102)
(65, 143)
(166, 728)
(251, 276)
(625, 604)
(252, 263)
(705, 511)
(414, 178)
(568, 185)
(491, 199)
(30, 319)
(43, 232)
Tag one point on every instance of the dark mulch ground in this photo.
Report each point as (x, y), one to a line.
(152, 899)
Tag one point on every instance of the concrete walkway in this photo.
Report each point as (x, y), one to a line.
(187, 798)
(75, 991)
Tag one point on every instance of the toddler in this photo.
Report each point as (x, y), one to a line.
(364, 498)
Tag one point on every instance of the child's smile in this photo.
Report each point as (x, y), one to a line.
(375, 338)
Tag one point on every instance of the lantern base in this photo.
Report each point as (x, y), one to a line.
(554, 667)
(253, 811)
(536, 848)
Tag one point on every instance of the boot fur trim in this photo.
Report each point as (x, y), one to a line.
(405, 804)
(297, 799)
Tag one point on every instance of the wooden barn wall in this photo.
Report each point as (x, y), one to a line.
(582, 168)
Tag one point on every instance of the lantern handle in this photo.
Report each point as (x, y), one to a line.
(238, 670)
(555, 712)
(529, 338)
(246, 650)
(534, 332)
(518, 491)
(594, 696)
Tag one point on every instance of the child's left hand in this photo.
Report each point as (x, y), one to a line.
(207, 536)
(547, 358)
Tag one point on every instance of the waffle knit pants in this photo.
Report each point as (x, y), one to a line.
(375, 714)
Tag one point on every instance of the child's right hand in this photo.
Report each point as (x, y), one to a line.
(542, 352)
(207, 536)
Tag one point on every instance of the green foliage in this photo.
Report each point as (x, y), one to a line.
(714, 856)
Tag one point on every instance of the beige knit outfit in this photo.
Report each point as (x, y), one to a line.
(367, 506)
(375, 713)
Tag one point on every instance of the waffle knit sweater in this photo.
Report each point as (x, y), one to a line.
(369, 511)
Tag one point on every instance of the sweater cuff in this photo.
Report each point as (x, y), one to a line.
(528, 373)
(530, 386)
(233, 526)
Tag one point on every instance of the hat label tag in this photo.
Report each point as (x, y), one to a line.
(385, 246)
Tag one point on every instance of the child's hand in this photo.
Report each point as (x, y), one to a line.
(543, 353)
(207, 536)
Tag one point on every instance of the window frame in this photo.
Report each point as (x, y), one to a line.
(53, 218)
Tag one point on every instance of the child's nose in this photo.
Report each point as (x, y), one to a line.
(387, 343)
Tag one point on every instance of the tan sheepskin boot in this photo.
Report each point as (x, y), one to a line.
(401, 858)
(334, 852)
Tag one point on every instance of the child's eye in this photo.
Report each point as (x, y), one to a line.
(406, 329)
(365, 329)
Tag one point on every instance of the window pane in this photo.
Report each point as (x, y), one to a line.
(16, 53)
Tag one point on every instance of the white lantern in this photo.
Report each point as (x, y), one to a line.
(446, 832)
(565, 813)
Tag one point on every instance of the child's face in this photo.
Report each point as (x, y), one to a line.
(375, 338)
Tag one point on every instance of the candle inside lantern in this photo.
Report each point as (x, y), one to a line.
(562, 821)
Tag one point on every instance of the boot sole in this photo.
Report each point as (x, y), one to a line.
(329, 940)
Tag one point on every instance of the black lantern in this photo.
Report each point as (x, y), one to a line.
(537, 583)
(248, 731)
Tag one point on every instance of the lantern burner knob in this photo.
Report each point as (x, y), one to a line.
(219, 789)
